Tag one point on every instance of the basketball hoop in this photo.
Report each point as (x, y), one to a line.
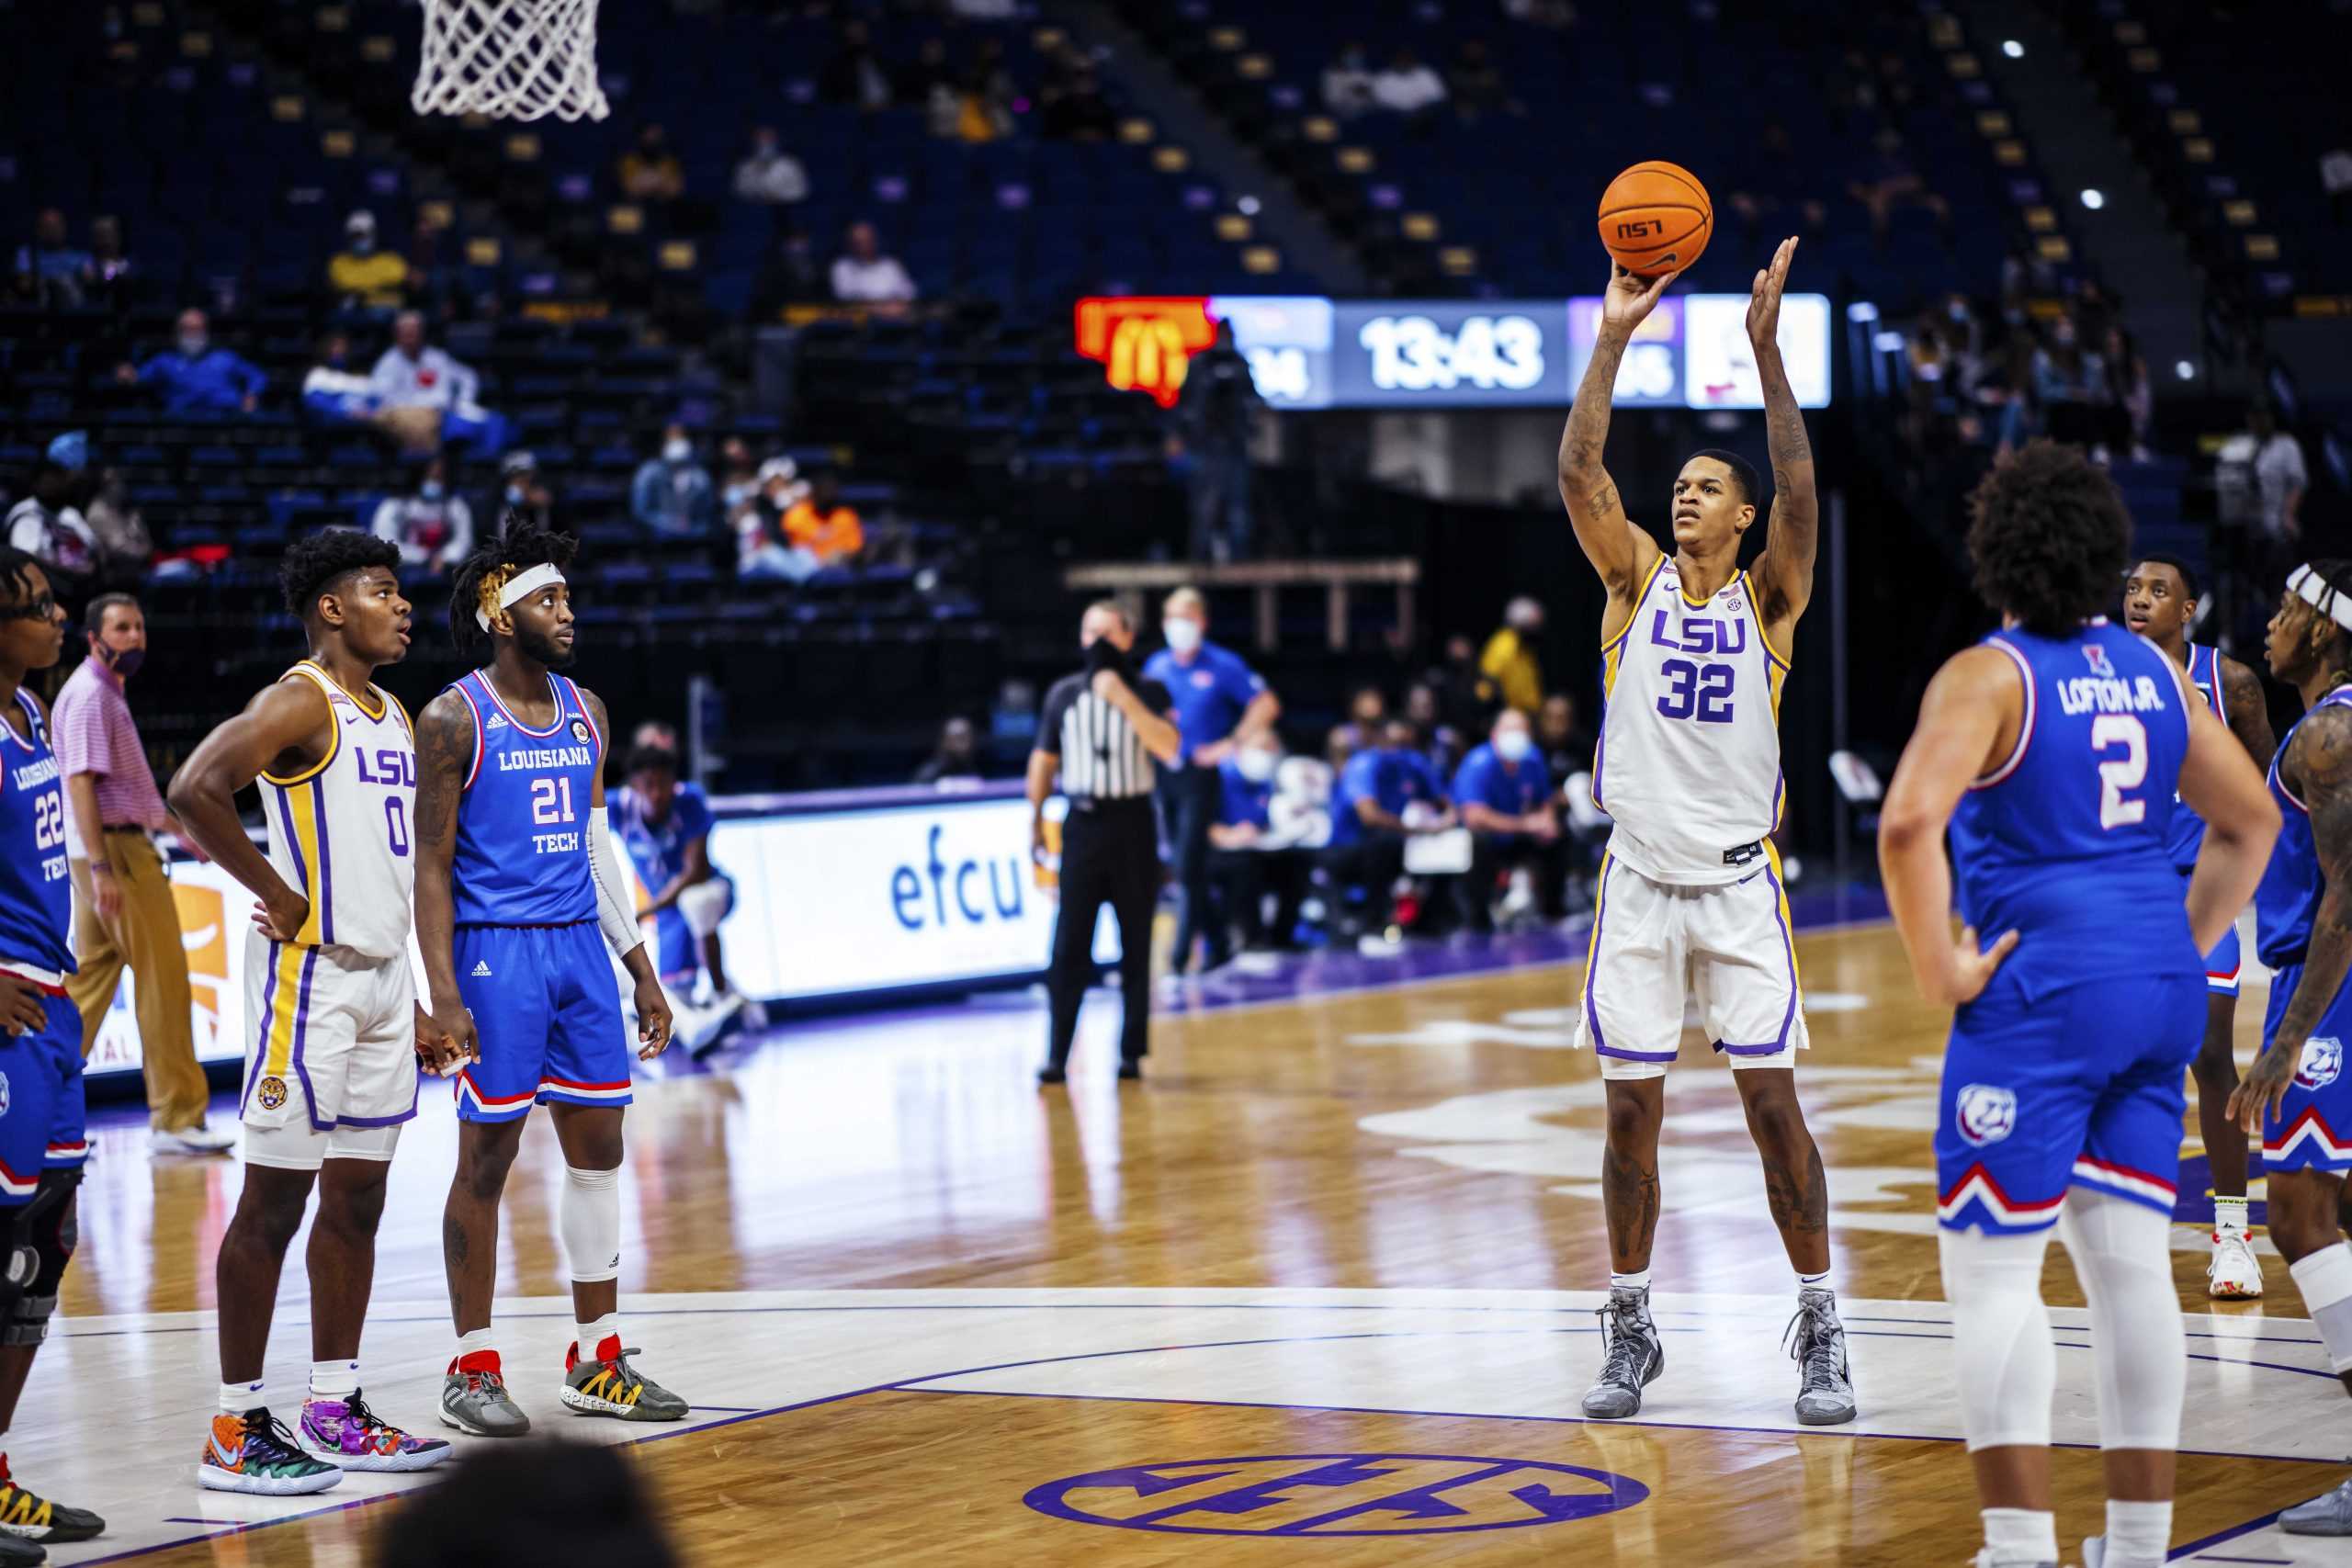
(510, 59)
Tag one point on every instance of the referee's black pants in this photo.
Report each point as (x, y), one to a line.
(1110, 855)
(1189, 797)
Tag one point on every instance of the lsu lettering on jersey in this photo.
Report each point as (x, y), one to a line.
(36, 895)
(2189, 828)
(339, 830)
(522, 854)
(1689, 764)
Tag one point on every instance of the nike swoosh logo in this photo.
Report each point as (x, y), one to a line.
(351, 718)
(225, 1461)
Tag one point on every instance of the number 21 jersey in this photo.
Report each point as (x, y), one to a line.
(522, 854)
(1689, 764)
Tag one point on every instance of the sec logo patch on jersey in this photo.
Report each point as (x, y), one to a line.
(1985, 1113)
(2322, 1063)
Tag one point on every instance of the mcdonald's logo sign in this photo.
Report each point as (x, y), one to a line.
(1145, 344)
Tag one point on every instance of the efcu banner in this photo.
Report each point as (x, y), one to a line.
(1145, 345)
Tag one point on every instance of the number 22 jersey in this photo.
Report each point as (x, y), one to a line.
(36, 899)
(522, 854)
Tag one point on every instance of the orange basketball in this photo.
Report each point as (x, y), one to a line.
(1656, 218)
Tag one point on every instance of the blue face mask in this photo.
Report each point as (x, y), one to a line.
(432, 490)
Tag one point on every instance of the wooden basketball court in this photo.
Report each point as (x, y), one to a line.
(1320, 1290)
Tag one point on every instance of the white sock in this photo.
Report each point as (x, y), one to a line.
(1640, 1281)
(237, 1398)
(474, 1342)
(2020, 1536)
(2229, 1217)
(2138, 1534)
(596, 1332)
(333, 1380)
(1814, 1281)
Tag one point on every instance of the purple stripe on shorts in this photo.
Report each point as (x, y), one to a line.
(1592, 955)
(1789, 948)
(261, 1049)
(302, 1028)
(1624, 1054)
(392, 1121)
(1771, 1050)
(326, 863)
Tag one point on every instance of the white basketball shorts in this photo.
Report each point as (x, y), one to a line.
(1657, 950)
(330, 1068)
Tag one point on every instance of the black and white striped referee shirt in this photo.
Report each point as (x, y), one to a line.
(1103, 758)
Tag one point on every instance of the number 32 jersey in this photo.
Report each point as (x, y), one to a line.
(1689, 764)
(2068, 842)
(522, 854)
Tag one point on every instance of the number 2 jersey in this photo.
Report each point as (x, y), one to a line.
(36, 898)
(2069, 841)
(522, 854)
(1689, 764)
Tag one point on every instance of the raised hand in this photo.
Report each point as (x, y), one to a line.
(1764, 296)
(1631, 298)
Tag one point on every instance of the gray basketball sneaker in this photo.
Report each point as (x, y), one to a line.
(1824, 1383)
(478, 1402)
(1631, 1356)
(617, 1388)
(2328, 1515)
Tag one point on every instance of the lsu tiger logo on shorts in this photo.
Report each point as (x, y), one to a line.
(272, 1092)
(2323, 1061)
(1985, 1113)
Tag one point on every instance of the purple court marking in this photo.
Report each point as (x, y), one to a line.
(2276, 1561)
(2223, 1537)
(1538, 1502)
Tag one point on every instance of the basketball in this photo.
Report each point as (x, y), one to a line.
(1656, 218)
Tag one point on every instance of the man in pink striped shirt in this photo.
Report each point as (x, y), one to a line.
(123, 909)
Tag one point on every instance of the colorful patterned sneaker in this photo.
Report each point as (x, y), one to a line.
(37, 1518)
(474, 1398)
(254, 1452)
(346, 1434)
(609, 1385)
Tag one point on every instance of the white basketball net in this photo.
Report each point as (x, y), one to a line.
(510, 59)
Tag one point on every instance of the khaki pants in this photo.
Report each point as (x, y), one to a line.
(146, 936)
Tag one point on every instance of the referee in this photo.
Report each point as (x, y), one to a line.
(1100, 731)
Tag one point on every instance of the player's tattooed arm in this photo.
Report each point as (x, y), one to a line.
(1619, 551)
(602, 719)
(1793, 532)
(2319, 764)
(445, 755)
(2249, 711)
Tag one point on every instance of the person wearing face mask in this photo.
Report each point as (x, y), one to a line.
(522, 493)
(2069, 382)
(1504, 794)
(123, 909)
(1248, 859)
(672, 495)
(195, 377)
(48, 525)
(1220, 703)
(363, 277)
(434, 528)
(768, 175)
(1510, 659)
(1385, 794)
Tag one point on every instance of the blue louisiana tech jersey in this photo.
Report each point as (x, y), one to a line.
(2292, 882)
(2069, 841)
(522, 856)
(2188, 827)
(36, 895)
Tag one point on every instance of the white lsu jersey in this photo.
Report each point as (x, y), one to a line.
(1689, 764)
(339, 830)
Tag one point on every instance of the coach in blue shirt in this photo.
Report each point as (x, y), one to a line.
(1247, 859)
(1508, 801)
(197, 377)
(1219, 702)
(1369, 803)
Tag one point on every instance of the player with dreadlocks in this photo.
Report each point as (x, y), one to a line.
(517, 874)
(2297, 1095)
(335, 1033)
(2055, 750)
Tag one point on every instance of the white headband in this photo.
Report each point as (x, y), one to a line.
(2314, 591)
(525, 584)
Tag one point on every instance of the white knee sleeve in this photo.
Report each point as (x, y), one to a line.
(703, 906)
(2325, 1280)
(2007, 1364)
(589, 1214)
(2123, 1253)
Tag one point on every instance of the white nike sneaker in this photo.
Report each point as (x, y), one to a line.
(2235, 1273)
(192, 1141)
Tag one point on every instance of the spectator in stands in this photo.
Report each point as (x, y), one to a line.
(1383, 797)
(854, 74)
(1891, 181)
(819, 524)
(984, 102)
(1509, 801)
(48, 525)
(650, 171)
(423, 396)
(51, 272)
(1347, 82)
(1367, 712)
(2069, 384)
(1566, 748)
(1247, 859)
(2335, 179)
(672, 494)
(1076, 110)
(1509, 658)
(362, 277)
(761, 551)
(926, 78)
(1407, 86)
(956, 758)
(864, 276)
(431, 526)
(125, 549)
(111, 283)
(1477, 86)
(768, 175)
(1215, 413)
(195, 377)
(2263, 478)
(2129, 393)
(739, 477)
(522, 493)
(789, 274)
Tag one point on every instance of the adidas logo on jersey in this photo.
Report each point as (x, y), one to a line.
(481, 967)
(493, 722)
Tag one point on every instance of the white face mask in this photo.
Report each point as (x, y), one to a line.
(676, 451)
(192, 344)
(1183, 635)
(1256, 764)
(1513, 745)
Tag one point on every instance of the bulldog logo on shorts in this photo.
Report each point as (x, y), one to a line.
(580, 731)
(4, 1094)
(1985, 1113)
(273, 1093)
(2322, 1060)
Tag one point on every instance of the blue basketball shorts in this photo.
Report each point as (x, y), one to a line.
(42, 1125)
(547, 1013)
(2078, 1085)
(2225, 962)
(2311, 1128)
